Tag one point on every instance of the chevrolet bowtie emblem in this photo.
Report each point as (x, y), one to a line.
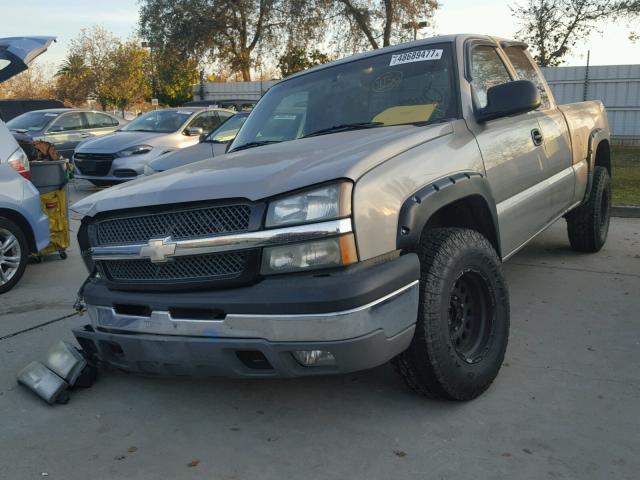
(158, 250)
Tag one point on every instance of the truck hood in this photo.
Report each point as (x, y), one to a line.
(262, 172)
(119, 140)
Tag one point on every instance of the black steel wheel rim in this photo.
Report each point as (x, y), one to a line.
(471, 316)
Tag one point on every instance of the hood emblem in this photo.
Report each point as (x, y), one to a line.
(158, 251)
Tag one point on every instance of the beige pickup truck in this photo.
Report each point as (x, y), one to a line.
(370, 225)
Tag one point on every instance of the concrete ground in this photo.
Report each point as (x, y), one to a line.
(565, 404)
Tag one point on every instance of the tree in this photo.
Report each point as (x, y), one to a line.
(296, 59)
(225, 30)
(74, 80)
(35, 82)
(93, 49)
(173, 76)
(126, 80)
(379, 23)
(554, 27)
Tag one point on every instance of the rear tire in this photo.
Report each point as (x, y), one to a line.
(14, 254)
(588, 225)
(463, 319)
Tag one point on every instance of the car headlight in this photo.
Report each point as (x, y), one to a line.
(137, 150)
(328, 202)
(310, 255)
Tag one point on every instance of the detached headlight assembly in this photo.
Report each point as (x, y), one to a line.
(137, 150)
(315, 205)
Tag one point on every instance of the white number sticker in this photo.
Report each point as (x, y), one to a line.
(417, 56)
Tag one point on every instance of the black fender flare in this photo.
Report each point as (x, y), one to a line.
(423, 204)
(597, 136)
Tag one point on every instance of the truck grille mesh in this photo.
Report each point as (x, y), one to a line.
(178, 225)
(184, 224)
(201, 267)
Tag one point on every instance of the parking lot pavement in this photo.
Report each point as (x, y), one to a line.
(565, 404)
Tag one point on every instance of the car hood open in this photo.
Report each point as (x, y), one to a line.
(269, 170)
(16, 53)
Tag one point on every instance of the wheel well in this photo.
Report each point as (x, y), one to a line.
(603, 155)
(470, 212)
(19, 220)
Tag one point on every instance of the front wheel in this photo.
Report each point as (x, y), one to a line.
(14, 254)
(588, 225)
(463, 319)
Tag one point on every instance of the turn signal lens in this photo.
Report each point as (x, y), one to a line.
(325, 253)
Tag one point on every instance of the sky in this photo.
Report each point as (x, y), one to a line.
(65, 18)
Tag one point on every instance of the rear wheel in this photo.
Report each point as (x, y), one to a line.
(463, 319)
(588, 225)
(14, 254)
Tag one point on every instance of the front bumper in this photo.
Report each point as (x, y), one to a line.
(364, 316)
(122, 169)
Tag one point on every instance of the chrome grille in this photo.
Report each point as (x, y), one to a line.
(178, 225)
(202, 267)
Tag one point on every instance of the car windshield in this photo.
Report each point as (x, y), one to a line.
(228, 130)
(31, 121)
(414, 85)
(161, 121)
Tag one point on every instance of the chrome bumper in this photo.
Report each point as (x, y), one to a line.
(391, 314)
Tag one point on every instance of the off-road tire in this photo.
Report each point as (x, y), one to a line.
(13, 229)
(432, 365)
(588, 225)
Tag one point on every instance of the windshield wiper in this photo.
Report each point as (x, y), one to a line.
(345, 127)
(253, 144)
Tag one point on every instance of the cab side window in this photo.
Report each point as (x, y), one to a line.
(487, 70)
(207, 121)
(526, 71)
(69, 121)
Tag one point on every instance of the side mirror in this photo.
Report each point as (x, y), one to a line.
(194, 131)
(202, 137)
(510, 98)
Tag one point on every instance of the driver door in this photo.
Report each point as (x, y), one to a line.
(514, 161)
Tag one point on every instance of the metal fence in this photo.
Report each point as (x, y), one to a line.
(617, 86)
(231, 90)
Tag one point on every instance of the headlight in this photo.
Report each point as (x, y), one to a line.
(137, 150)
(314, 254)
(322, 203)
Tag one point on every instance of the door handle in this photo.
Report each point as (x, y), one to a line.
(85, 135)
(536, 136)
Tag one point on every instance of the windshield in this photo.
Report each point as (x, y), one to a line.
(228, 130)
(161, 121)
(31, 121)
(407, 86)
